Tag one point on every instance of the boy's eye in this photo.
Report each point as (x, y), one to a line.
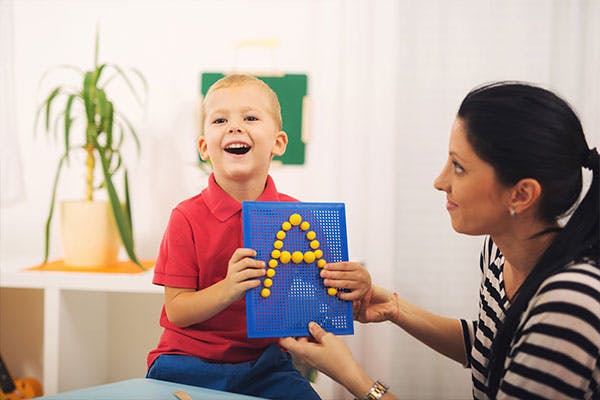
(251, 118)
(458, 169)
(219, 121)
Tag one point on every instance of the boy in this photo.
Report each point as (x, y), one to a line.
(202, 265)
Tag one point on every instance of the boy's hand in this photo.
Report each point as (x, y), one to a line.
(242, 272)
(347, 275)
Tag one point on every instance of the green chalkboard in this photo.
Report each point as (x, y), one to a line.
(291, 90)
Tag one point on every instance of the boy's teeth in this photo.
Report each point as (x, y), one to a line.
(237, 148)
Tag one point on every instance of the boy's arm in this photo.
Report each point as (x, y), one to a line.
(185, 307)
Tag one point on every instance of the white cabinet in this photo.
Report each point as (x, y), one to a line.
(77, 329)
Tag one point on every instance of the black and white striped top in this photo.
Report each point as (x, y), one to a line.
(555, 355)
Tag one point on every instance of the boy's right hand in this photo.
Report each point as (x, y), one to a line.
(242, 272)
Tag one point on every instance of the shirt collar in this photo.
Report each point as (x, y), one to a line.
(223, 206)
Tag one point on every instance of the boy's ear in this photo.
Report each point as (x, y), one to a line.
(524, 195)
(281, 141)
(203, 149)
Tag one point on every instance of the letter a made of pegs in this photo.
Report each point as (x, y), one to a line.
(281, 256)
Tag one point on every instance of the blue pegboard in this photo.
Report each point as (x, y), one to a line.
(297, 294)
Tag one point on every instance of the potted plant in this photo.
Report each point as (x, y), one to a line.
(102, 132)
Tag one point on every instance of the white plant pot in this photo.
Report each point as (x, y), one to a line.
(89, 234)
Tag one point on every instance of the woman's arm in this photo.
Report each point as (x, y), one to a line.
(442, 334)
(332, 357)
(376, 304)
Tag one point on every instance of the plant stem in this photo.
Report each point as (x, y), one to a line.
(89, 162)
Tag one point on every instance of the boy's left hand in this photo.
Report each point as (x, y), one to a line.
(347, 275)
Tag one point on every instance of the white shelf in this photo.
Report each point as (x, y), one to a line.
(14, 274)
(97, 327)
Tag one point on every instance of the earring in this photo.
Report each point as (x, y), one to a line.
(512, 212)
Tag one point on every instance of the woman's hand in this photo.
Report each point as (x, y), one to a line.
(331, 356)
(379, 305)
(351, 276)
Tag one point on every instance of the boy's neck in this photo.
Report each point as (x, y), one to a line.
(249, 189)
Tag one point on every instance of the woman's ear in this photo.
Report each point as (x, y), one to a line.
(524, 195)
(281, 141)
(203, 149)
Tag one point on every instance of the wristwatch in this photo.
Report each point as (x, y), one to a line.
(377, 390)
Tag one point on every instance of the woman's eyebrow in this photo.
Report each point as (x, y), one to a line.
(455, 154)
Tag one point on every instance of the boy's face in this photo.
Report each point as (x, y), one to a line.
(240, 133)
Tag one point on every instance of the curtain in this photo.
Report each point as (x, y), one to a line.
(11, 177)
(408, 64)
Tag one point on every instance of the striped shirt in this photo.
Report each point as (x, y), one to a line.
(555, 354)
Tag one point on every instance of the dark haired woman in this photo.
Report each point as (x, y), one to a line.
(514, 170)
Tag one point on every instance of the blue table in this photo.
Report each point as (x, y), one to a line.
(146, 389)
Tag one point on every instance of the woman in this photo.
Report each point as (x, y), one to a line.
(514, 170)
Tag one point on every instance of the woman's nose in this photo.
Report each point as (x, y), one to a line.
(440, 183)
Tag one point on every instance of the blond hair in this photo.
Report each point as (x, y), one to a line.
(241, 80)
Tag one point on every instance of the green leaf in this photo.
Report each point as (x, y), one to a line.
(119, 163)
(88, 95)
(131, 130)
(124, 76)
(39, 110)
(121, 134)
(106, 117)
(123, 224)
(103, 109)
(48, 103)
(68, 122)
(128, 203)
(58, 120)
(98, 73)
(97, 45)
(109, 125)
(90, 133)
(54, 68)
(51, 211)
(142, 79)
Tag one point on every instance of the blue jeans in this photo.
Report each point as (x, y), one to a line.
(272, 376)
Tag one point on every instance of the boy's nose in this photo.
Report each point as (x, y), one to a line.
(235, 130)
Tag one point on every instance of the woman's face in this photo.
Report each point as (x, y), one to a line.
(476, 201)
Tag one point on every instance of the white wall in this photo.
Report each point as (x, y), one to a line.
(385, 80)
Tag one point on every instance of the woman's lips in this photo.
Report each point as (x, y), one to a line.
(451, 205)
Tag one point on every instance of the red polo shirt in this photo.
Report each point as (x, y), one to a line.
(202, 234)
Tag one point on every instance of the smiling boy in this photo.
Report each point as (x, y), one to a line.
(204, 268)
